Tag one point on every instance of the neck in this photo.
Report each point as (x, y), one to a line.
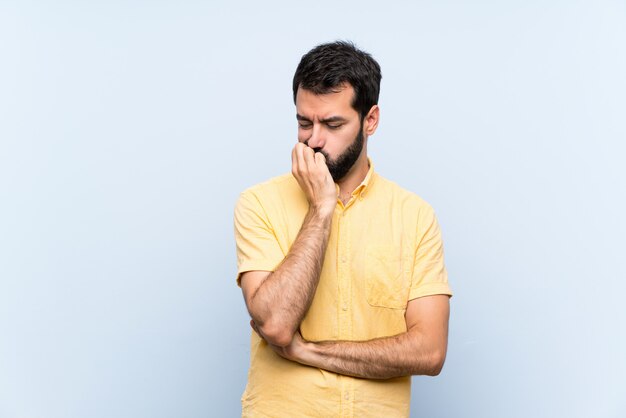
(355, 176)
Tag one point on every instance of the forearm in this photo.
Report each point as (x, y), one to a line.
(281, 301)
(400, 355)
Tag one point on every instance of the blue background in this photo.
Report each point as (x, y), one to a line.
(128, 129)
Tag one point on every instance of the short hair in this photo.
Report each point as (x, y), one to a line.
(327, 66)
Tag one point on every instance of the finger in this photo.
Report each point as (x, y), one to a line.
(300, 164)
(320, 159)
(309, 157)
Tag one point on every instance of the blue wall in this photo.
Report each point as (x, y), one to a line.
(127, 132)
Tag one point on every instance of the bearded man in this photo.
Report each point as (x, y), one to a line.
(342, 271)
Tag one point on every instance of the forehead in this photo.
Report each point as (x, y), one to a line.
(336, 103)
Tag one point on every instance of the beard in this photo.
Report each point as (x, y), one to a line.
(340, 166)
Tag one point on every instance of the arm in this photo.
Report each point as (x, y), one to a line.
(277, 301)
(420, 350)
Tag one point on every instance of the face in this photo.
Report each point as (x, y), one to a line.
(328, 124)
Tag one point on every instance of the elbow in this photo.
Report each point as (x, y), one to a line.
(435, 370)
(281, 339)
(276, 334)
(437, 359)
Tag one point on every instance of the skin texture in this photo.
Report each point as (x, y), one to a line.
(419, 351)
(278, 301)
(328, 122)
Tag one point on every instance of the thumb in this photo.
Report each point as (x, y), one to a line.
(319, 158)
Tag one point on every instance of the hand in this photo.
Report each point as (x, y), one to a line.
(310, 170)
(295, 351)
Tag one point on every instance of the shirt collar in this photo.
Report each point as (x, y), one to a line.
(367, 182)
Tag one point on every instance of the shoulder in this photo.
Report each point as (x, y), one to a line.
(271, 194)
(272, 187)
(400, 197)
(406, 207)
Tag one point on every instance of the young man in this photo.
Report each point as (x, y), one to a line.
(342, 271)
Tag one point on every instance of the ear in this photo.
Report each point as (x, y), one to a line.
(371, 120)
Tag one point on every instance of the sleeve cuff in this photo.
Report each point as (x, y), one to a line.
(254, 266)
(430, 289)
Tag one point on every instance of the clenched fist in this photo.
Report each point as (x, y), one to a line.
(310, 170)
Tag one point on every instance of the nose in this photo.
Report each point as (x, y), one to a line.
(317, 139)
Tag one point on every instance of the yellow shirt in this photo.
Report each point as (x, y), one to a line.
(384, 249)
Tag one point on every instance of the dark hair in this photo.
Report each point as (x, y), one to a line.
(324, 68)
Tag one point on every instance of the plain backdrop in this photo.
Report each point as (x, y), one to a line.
(128, 129)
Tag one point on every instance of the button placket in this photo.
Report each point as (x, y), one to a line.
(343, 275)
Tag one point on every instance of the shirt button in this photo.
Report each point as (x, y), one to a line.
(343, 259)
(346, 396)
(344, 307)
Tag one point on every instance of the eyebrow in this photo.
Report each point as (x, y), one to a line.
(326, 120)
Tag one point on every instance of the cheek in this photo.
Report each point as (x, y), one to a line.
(344, 140)
(302, 135)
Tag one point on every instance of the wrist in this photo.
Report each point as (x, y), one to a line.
(324, 210)
(307, 354)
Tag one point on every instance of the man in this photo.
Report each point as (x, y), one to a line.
(342, 271)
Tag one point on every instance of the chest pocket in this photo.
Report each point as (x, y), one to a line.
(387, 281)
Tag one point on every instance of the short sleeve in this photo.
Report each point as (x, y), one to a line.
(257, 245)
(429, 272)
